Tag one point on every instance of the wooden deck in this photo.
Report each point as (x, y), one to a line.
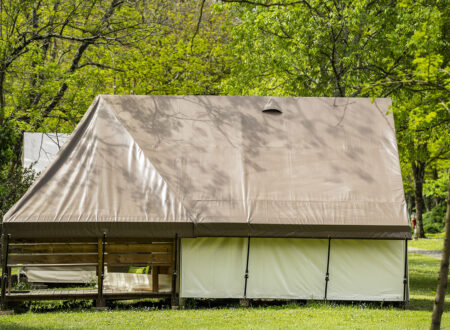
(81, 294)
(157, 254)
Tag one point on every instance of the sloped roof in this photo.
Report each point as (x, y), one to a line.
(219, 166)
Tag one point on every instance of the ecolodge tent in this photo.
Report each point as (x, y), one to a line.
(297, 198)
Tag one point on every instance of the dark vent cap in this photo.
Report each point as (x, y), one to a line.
(272, 108)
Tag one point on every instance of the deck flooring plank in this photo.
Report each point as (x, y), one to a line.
(60, 294)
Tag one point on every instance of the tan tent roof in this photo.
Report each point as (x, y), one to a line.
(220, 166)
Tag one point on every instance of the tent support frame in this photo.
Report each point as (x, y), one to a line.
(405, 276)
(327, 275)
(246, 269)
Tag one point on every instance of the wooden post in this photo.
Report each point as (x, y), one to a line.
(5, 243)
(174, 300)
(100, 302)
(155, 279)
(180, 299)
(9, 280)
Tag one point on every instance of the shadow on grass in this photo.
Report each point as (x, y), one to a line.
(164, 304)
(87, 305)
(283, 304)
(16, 326)
(416, 304)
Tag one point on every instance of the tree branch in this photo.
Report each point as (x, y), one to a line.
(197, 28)
(102, 66)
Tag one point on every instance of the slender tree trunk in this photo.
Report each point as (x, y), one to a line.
(418, 169)
(443, 273)
(2, 96)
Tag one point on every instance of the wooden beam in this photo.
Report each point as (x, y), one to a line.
(52, 240)
(53, 248)
(174, 300)
(146, 240)
(81, 294)
(56, 265)
(138, 258)
(178, 252)
(138, 248)
(19, 259)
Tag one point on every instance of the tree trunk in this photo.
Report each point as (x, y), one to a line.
(418, 169)
(410, 202)
(2, 96)
(443, 273)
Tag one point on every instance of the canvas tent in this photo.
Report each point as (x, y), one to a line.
(39, 150)
(303, 200)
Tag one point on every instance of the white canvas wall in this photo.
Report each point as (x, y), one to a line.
(366, 270)
(39, 149)
(213, 267)
(287, 268)
(292, 268)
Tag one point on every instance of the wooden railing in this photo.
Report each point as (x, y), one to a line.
(159, 254)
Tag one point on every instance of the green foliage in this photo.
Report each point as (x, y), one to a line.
(8, 137)
(434, 221)
(56, 56)
(59, 55)
(14, 182)
(437, 187)
(314, 48)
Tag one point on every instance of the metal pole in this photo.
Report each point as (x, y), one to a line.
(246, 269)
(405, 274)
(327, 275)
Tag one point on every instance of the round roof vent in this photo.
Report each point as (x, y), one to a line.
(272, 108)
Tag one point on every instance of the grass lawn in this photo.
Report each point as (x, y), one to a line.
(427, 243)
(423, 275)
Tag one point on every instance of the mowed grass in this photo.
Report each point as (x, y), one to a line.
(313, 315)
(427, 243)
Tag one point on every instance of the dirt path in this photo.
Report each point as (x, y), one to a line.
(430, 253)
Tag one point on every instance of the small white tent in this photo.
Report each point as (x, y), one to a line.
(296, 198)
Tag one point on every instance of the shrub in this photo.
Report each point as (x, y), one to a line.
(433, 221)
(13, 184)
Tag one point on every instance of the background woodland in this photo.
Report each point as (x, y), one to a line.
(57, 55)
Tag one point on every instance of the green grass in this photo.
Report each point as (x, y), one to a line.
(313, 315)
(427, 243)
